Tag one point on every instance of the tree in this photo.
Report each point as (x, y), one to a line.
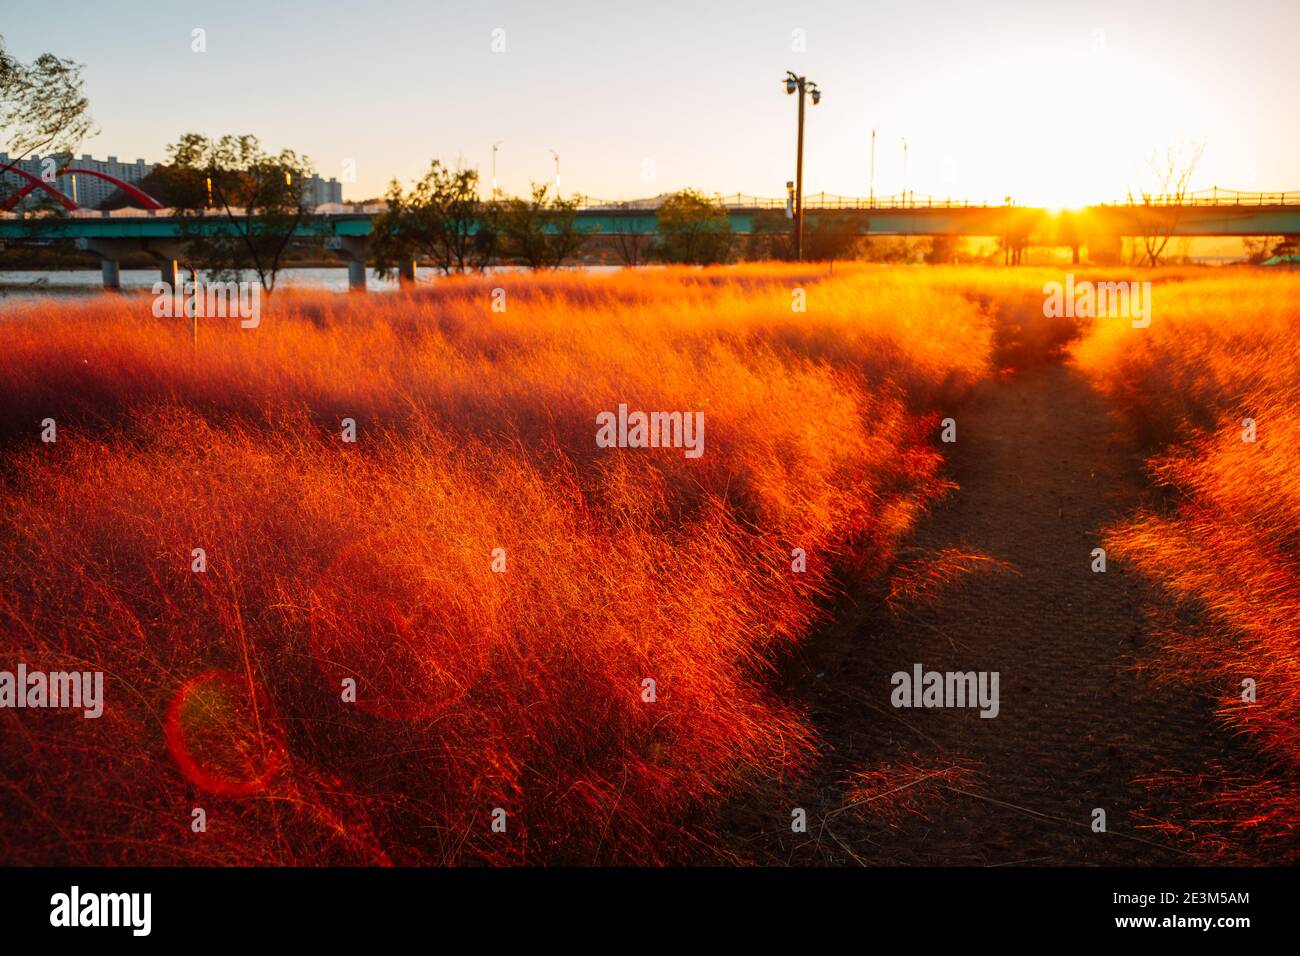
(1013, 245)
(898, 250)
(832, 236)
(541, 231)
(1170, 178)
(42, 107)
(827, 236)
(633, 248)
(154, 183)
(1256, 248)
(769, 236)
(1068, 231)
(943, 250)
(261, 195)
(693, 229)
(1286, 246)
(441, 220)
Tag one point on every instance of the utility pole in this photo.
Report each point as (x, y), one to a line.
(801, 85)
(872, 199)
(495, 147)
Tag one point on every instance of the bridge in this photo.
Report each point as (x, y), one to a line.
(67, 202)
(345, 229)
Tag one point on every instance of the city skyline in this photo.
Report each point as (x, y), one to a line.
(90, 191)
(1049, 107)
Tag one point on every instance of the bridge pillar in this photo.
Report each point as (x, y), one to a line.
(356, 276)
(110, 253)
(167, 254)
(356, 249)
(108, 268)
(170, 271)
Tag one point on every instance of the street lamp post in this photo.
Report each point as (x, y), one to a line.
(904, 170)
(801, 85)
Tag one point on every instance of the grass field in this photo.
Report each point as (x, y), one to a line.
(1222, 354)
(499, 588)
(373, 560)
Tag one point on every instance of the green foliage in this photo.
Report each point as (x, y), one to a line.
(943, 250)
(829, 236)
(540, 231)
(1287, 246)
(441, 220)
(693, 229)
(1256, 248)
(42, 106)
(895, 250)
(770, 236)
(260, 194)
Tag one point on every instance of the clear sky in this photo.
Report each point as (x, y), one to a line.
(1053, 103)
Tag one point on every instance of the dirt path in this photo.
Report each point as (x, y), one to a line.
(1041, 470)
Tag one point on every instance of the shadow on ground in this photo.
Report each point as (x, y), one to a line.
(1041, 469)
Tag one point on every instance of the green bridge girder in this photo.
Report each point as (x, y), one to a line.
(957, 220)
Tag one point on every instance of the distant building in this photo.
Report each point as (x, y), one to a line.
(90, 191)
(87, 191)
(319, 191)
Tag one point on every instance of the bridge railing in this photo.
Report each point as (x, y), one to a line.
(739, 201)
(825, 201)
(1214, 197)
(815, 201)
